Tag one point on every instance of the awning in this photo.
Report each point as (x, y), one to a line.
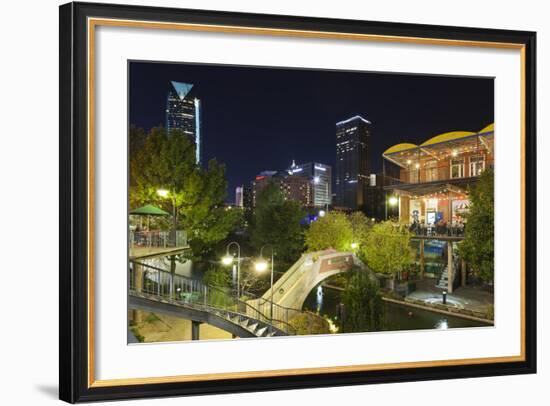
(149, 210)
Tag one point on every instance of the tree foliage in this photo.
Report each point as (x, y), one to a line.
(276, 221)
(363, 307)
(162, 161)
(360, 227)
(334, 230)
(387, 249)
(309, 323)
(478, 248)
(217, 276)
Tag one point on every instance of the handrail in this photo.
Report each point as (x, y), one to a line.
(183, 289)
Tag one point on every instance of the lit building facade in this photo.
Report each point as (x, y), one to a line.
(352, 162)
(293, 187)
(183, 112)
(320, 177)
(239, 201)
(434, 177)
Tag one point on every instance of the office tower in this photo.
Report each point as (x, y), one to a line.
(183, 112)
(352, 162)
(320, 176)
(292, 187)
(248, 202)
(239, 198)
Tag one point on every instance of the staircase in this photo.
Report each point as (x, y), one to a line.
(443, 282)
(158, 285)
(256, 327)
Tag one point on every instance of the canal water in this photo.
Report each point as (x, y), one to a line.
(325, 300)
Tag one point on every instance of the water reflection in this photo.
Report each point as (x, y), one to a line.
(319, 298)
(324, 300)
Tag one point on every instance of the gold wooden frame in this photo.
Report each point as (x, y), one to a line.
(95, 22)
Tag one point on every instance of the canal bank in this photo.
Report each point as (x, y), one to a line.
(398, 315)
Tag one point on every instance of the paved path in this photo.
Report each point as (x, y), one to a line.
(468, 297)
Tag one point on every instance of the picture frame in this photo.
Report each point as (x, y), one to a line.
(78, 190)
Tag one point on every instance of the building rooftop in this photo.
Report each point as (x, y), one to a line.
(440, 146)
(349, 120)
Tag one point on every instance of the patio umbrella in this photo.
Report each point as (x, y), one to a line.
(148, 210)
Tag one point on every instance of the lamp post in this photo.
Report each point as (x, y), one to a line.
(392, 201)
(261, 266)
(228, 260)
(164, 193)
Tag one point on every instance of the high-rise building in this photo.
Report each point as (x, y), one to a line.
(239, 198)
(320, 176)
(352, 162)
(248, 198)
(183, 112)
(295, 188)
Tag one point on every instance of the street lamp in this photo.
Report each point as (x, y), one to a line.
(261, 266)
(228, 259)
(392, 201)
(164, 193)
(354, 245)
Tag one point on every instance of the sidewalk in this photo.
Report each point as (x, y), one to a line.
(469, 297)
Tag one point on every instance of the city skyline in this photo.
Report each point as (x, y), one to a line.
(265, 118)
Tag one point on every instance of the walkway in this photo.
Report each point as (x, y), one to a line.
(292, 289)
(468, 297)
(154, 289)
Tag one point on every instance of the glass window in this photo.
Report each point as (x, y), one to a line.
(477, 165)
(413, 175)
(431, 171)
(457, 168)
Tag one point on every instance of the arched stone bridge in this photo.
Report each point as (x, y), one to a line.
(292, 289)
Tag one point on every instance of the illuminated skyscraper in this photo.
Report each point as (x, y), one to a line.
(352, 162)
(183, 112)
(320, 176)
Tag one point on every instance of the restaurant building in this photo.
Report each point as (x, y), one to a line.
(434, 177)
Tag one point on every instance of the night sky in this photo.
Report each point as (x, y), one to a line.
(258, 119)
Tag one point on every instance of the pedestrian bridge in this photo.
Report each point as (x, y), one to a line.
(154, 290)
(292, 289)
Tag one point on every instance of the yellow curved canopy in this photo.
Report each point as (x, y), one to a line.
(489, 128)
(400, 147)
(450, 136)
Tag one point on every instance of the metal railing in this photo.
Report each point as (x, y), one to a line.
(438, 230)
(158, 239)
(180, 289)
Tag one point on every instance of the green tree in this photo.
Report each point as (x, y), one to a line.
(309, 323)
(217, 276)
(387, 249)
(478, 246)
(360, 227)
(196, 194)
(363, 307)
(334, 230)
(276, 221)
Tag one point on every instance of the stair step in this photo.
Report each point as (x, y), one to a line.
(244, 322)
(261, 331)
(253, 327)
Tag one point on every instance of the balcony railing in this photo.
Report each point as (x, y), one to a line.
(158, 239)
(441, 230)
(442, 171)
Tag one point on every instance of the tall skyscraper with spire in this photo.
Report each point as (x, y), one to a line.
(352, 162)
(183, 112)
